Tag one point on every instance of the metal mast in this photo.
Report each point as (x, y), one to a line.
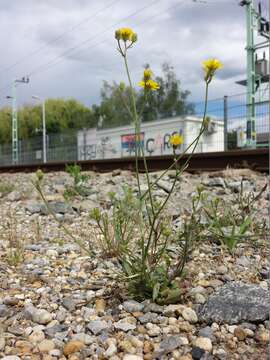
(256, 75)
(14, 125)
(15, 151)
(250, 22)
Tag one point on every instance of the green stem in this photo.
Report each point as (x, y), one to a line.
(124, 103)
(69, 233)
(137, 137)
(137, 125)
(195, 141)
(178, 172)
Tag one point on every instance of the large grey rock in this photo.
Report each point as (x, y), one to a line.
(237, 302)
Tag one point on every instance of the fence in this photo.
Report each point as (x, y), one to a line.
(226, 131)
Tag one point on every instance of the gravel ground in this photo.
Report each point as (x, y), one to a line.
(58, 303)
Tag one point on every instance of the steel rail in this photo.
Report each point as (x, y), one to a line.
(257, 159)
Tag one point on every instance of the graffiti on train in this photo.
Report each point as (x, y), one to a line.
(126, 146)
(102, 150)
(152, 145)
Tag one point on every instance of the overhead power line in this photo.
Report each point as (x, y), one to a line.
(51, 62)
(58, 59)
(100, 42)
(86, 41)
(56, 39)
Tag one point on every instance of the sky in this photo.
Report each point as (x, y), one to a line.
(67, 47)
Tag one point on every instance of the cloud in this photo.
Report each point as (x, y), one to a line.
(181, 32)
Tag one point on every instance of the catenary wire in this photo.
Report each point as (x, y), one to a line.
(86, 41)
(58, 59)
(51, 62)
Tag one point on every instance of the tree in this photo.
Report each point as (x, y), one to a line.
(114, 106)
(169, 100)
(61, 115)
(114, 109)
(5, 125)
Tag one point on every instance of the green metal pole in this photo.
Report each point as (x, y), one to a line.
(251, 130)
(14, 125)
(225, 121)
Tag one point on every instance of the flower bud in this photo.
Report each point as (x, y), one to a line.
(39, 175)
(122, 86)
(147, 74)
(134, 37)
(118, 34)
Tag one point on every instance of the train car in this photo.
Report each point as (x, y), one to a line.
(154, 137)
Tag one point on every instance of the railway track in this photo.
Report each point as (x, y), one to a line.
(257, 159)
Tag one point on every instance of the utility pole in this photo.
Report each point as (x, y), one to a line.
(14, 125)
(225, 120)
(15, 152)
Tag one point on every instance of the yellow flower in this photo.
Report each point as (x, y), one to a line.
(176, 140)
(147, 74)
(210, 67)
(126, 34)
(149, 84)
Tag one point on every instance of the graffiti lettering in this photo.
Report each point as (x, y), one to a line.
(90, 152)
(150, 145)
(166, 141)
